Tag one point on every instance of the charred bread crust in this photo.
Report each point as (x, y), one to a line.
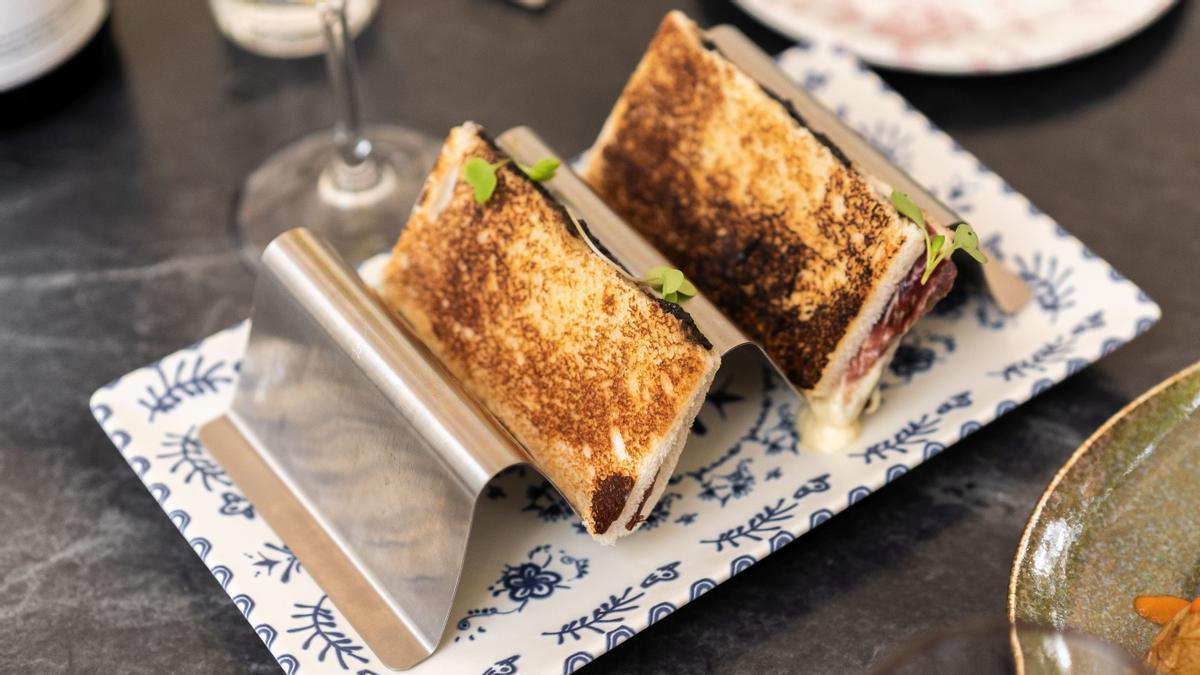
(770, 220)
(594, 376)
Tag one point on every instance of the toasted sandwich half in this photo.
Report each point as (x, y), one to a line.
(770, 220)
(598, 378)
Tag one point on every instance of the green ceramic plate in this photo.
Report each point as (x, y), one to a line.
(1121, 519)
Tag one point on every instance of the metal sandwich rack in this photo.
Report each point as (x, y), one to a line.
(364, 454)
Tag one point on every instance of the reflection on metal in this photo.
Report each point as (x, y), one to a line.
(358, 448)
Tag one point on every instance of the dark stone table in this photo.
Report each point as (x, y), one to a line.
(116, 248)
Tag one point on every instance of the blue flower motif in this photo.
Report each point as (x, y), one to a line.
(718, 397)
(910, 360)
(533, 579)
(782, 437)
(189, 455)
(236, 505)
(547, 503)
(668, 572)
(504, 666)
(733, 485)
(1054, 352)
(527, 581)
(957, 195)
(890, 140)
(918, 353)
(661, 511)
(173, 388)
(1051, 284)
(321, 627)
(280, 554)
(814, 80)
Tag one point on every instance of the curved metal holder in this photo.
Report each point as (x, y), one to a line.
(360, 450)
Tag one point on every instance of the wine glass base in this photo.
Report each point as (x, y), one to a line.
(294, 188)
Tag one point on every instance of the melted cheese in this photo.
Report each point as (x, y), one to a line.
(830, 424)
(819, 432)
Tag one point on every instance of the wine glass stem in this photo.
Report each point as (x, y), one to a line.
(355, 168)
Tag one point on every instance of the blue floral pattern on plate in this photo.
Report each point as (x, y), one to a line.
(550, 600)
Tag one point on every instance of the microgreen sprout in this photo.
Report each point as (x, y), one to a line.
(936, 249)
(481, 174)
(670, 283)
(542, 171)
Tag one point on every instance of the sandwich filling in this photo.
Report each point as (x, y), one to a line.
(911, 302)
(831, 422)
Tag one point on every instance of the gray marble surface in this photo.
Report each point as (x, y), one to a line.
(116, 248)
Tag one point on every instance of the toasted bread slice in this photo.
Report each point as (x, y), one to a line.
(596, 377)
(776, 226)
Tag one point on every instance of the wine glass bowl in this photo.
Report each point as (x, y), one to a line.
(352, 185)
(304, 184)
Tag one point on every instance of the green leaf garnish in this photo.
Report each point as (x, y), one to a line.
(543, 170)
(938, 241)
(670, 283)
(965, 237)
(482, 176)
(655, 274)
(966, 240)
(908, 208)
(936, 250)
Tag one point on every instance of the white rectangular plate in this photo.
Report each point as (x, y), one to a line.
(538, 596)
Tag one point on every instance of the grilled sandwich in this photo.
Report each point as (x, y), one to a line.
(598, 378)
(769, 219)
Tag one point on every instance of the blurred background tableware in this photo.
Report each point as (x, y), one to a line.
(284, 28)
(1000, 648)
(1119, 520)
(354, 186)
(51, 53)
(37, 37)
(962, 37)
(536, 5)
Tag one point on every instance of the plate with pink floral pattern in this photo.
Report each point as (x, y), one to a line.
(962, 37)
